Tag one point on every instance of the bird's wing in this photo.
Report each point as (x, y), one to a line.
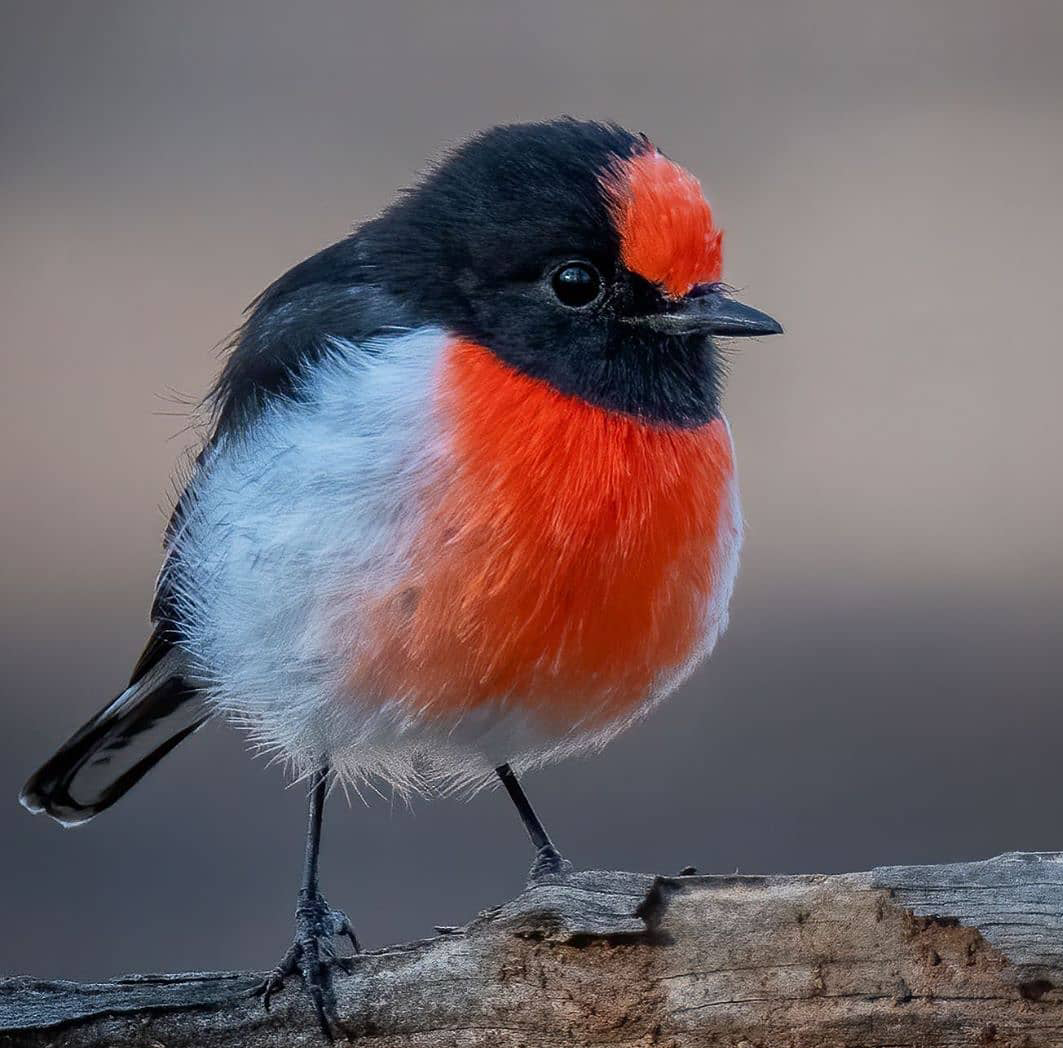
(288, 328)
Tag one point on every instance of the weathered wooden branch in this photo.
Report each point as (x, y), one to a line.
(961, 955)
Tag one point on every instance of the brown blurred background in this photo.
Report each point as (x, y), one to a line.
(889, 177)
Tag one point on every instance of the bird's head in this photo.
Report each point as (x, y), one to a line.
(577, 253)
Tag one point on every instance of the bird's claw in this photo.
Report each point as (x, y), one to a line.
(549, 865)
(312, 956)
(274, 982)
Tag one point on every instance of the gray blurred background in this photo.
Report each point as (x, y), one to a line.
(889, 178)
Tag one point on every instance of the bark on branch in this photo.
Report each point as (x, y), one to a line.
(961, 955)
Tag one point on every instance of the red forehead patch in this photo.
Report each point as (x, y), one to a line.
(665, 224)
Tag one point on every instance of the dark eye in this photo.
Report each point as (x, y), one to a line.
(576, 284)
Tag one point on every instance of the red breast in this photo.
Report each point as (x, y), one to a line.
(566, 561)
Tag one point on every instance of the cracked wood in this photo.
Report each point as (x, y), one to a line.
(958, 955)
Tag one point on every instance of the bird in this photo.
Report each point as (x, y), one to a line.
(465, 503)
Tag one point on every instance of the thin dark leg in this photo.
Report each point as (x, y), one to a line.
(311, 955)
(548, 860)
(313, 830)
(539, 837)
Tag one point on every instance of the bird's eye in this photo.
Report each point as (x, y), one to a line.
(576, 284)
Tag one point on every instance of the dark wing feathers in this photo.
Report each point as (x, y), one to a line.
(289, 326)
(287, 329)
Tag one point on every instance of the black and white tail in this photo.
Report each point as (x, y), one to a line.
(112, 752)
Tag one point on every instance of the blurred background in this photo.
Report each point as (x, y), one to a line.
(889, 179)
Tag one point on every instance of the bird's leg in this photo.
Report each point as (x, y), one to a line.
(311, 954)
(548, 860)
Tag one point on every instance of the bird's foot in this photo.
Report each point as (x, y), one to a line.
(312, 956)
(549, 865)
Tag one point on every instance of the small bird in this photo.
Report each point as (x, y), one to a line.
(467, 504)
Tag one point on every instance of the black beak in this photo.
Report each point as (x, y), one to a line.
(707, 310)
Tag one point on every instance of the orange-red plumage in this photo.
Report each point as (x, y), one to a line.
(666, 227)
(568, 560)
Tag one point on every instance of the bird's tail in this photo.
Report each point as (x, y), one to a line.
(113, 751)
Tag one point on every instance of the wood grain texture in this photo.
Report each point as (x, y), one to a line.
(922, 956)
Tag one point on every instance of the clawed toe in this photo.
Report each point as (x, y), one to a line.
(312, 956)
(274, 982)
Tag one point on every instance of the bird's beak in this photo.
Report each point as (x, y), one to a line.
(707, 310)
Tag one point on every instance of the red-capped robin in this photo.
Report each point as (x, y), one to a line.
(468, 504)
